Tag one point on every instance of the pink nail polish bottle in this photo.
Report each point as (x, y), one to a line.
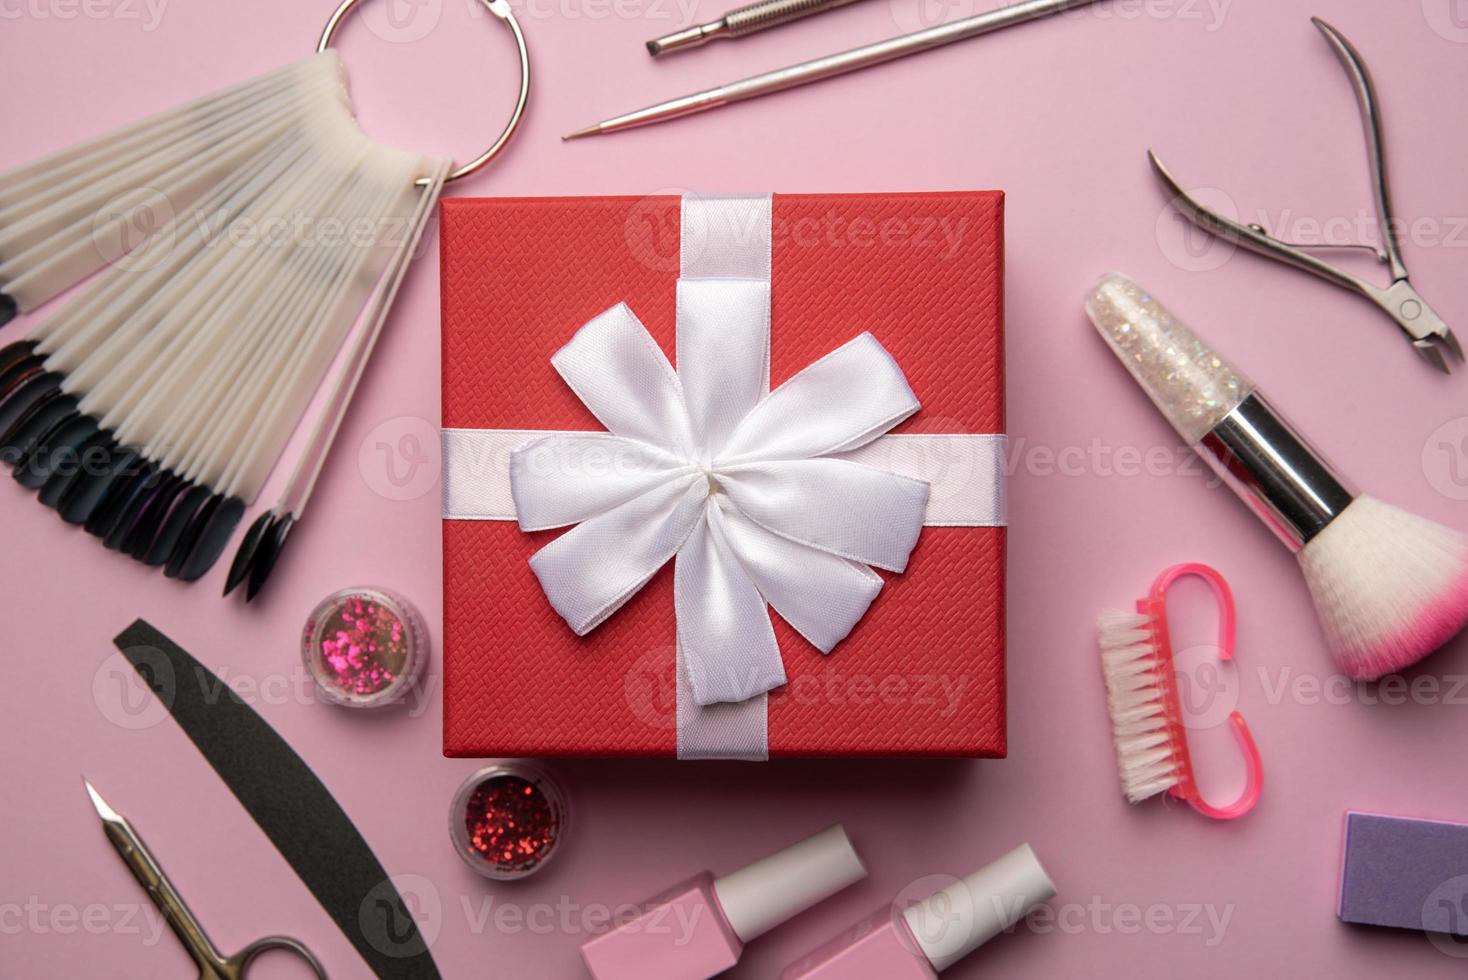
(923, 940)
(697, 930)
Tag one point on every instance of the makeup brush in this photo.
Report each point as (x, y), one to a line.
(1389, 587)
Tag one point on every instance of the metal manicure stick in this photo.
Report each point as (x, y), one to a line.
(213, 965)
(750, 19)
(833, 65)
(1400, 301)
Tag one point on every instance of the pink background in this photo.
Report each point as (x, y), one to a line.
(1243, 96)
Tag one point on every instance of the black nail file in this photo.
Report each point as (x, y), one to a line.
(288, 801)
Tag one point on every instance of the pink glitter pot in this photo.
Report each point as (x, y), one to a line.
(508, 820)
(364, 647)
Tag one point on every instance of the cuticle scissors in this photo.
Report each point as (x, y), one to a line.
(1399, 300)
(213, 965)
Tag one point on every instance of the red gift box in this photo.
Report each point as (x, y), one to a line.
(923, 673)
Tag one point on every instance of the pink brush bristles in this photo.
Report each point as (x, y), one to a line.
(1390, 587)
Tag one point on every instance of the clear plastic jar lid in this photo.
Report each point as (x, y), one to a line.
(364, 647)
(508, 820)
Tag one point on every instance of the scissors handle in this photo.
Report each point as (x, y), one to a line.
(235, 967)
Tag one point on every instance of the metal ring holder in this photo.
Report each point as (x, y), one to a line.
(501, 10)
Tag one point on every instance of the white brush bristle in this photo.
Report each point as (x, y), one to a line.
(1134, 686)
(1390, 587)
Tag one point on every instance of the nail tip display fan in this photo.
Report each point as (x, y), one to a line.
(240, 246)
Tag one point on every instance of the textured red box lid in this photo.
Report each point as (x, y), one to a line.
(923, 673)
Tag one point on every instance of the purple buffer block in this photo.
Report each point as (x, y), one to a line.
(1404, 873)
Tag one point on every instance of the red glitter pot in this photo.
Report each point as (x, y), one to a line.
(508, 820)
(364, 647)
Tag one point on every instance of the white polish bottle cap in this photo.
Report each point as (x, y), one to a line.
(758, 898)
(953, 922)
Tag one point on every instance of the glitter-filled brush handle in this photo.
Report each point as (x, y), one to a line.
(1220, 413)
(1192, 385)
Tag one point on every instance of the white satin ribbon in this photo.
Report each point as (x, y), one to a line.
(786, 498)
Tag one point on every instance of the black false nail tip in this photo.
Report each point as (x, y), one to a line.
(29, 432)
(183, 511)
(239, 569)
(213, 539)
(17, 351)
(8, 309)
(150, 517)
(108, 510)
(190, 536)
(88, 491)
(56, 451)
(15, 371)
(92, 456)
(127, 517)
(267, 555)
(26, 396)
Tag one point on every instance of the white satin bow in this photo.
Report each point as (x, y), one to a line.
(739, 484)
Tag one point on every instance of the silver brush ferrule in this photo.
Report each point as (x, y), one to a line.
(1275, 471)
